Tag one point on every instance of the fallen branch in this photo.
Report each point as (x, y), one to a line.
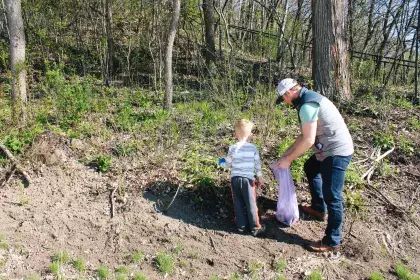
(368, 174)
(9, 175)
(15, 164)
(111, 200)
(173, 199)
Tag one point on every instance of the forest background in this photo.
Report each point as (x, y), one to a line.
(140, 96)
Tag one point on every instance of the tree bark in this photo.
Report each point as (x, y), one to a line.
(370, 27)
(17, 58)
(210, 52)
(330, 62)
(168, 55)
(282, 27)
(110, 43)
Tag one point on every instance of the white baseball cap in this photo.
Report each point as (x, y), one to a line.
(284, 86)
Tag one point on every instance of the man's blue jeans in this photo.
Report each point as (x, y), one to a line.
(326, 181)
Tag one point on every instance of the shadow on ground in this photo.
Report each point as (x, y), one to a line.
(216, 213)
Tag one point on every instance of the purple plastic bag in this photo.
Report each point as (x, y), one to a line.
(287, 207)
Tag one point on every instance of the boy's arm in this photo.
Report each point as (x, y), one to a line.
(257, 164)
(229, 158)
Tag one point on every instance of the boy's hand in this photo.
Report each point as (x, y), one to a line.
(260, 182)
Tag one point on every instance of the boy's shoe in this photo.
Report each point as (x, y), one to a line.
(318, 215)
(256, 232)
(318, 247)
(241, 229)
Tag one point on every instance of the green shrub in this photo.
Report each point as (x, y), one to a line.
(122, 270)
(103, 163)
(376, 276)
(280, 266)
(139, 276)
(102, 272)
(316, 275)
(79, 264)
(61, 257)
(384, 141)
(403, 273)
(165, 263)
(406, 145)
(55, 268)
(137, 257)
(355, 200)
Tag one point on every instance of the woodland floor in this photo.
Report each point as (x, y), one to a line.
(67, 209)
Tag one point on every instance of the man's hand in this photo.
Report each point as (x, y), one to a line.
(284, 163)
(260, 182)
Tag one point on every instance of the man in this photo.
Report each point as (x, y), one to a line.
(324, 130)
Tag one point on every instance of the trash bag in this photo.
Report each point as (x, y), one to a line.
(287, 207)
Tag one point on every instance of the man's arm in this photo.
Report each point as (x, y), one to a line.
(293, 146)
(303, 143)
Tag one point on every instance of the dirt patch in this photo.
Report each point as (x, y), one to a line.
(67, 208)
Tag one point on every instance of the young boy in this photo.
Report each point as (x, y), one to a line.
(244, 159)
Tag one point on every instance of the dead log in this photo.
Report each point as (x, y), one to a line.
(15, 164)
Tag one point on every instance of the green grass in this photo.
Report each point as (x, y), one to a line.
(376, 276)
(102, 272)
(4, 245)
(137, 257)
(280, 266)
(55, 268)
(165, 263)
(121, 277)
(316, 275)
(79, 264)
(179, 247)
(183, 263)
(254, 268)
(33, 277)
(61, 257)
(103, 163)
(235, 276)
(214, 277)
(122, 270)
(139, 276)
(404, 273)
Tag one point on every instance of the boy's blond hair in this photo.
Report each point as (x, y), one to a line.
(243, 128)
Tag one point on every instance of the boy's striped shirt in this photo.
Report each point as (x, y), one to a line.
(244, 159)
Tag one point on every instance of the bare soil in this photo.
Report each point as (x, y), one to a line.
(67, 208)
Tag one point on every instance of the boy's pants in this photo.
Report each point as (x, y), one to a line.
(326, 181)
(245, 203)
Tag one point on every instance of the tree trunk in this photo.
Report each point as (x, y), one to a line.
(350, 24)
(416, 72)
(330, 63)
(168, 57)
(282, 27)
(210, 52)
(386, 31)
(370, 26)
(17, 58)
(110, 43)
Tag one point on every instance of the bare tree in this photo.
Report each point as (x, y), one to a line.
(330, 63)
(17, 58)
(109, 65)
(210, 52)
(168, 57)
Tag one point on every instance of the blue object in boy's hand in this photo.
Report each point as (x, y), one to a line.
(221, 161)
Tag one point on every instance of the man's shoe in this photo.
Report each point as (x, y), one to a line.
(318, 247)
(318, 215)
(256, 232)
(241, 230)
